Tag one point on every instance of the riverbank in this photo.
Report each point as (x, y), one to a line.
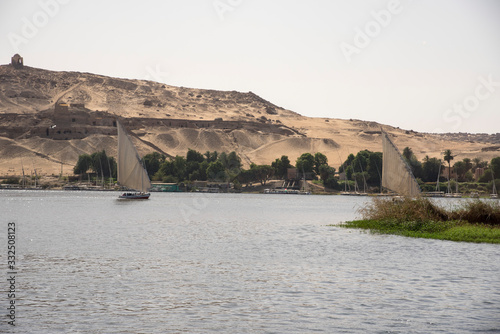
(474, 221)
(447, 230)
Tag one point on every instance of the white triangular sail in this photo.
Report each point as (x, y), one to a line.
(396, 174)
(131, 172)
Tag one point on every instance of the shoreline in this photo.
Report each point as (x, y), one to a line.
(473, 220)
(447, 230)
(69, 187)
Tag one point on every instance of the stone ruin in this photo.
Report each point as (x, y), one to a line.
(17, 61)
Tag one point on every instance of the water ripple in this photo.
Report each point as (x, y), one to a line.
(239, 264)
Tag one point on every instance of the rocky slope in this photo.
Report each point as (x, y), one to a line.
(48, 118)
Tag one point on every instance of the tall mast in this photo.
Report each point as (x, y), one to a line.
(493, 180)
(24, 179)
(439, 174)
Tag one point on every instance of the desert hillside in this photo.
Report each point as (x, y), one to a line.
(48, 118)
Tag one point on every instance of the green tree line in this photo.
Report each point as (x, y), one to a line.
(227, 167)
(363, 168)
(98, 163)
(429, 169)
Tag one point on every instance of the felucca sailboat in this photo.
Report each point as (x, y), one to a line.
(131, 171)
(396, 174)
(494, 192)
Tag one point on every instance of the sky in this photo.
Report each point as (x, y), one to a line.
(428, 66)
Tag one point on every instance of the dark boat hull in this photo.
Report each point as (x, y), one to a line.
(134, 196)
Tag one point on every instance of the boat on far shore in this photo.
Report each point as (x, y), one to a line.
(433, 194)
(286, 191)
(354, 193)
(494, 193)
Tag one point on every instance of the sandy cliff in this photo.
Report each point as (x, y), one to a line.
(48, 118)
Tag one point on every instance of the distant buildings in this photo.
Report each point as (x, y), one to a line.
(61, 107)
(292, 174)
(17, 61)
(74, 121)
(452, 173)
(478, 173)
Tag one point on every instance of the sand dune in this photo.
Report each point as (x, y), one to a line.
(256, 129)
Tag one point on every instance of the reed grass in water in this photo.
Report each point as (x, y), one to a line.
(474, 221)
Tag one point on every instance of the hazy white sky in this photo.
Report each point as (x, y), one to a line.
(428, 65)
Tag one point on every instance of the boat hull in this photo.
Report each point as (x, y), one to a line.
(134, 196)
(286, 192)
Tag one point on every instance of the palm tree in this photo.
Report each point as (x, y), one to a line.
(448, 157)
(468, 164)
(477, 164)
(407, 153)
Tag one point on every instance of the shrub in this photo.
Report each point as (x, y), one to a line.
(477, 211)
(424, 210)
(403, 209)
(11, 180)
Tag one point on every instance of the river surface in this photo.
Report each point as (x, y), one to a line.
(233, 263)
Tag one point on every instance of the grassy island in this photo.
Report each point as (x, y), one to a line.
(473, 221)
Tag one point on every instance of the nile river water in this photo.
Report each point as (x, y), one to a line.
(233, 263)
